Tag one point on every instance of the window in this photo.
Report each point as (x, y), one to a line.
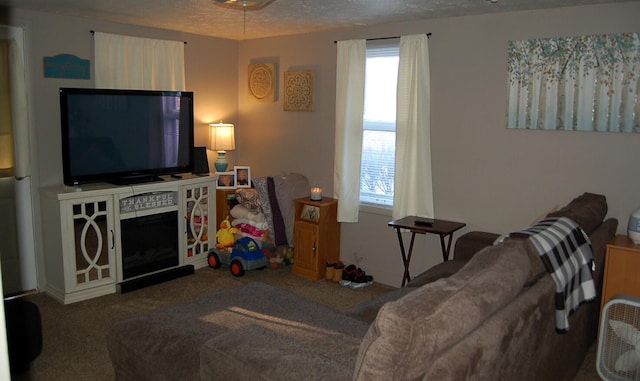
(377, 169)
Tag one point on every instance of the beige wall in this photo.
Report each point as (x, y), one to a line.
(211, 73)
(492, 178)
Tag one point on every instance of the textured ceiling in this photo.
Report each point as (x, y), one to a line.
(281, 17)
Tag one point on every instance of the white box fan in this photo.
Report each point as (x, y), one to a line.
(619, 340)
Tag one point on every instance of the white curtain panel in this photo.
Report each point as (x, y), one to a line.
(350, 78)
(413, 194)
(124, 62)
(583, 83)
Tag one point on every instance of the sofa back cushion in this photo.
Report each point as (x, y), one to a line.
(587, 210)
(408, 334)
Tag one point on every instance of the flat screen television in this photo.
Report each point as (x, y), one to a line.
(125, 136)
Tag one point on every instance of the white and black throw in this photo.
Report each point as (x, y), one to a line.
(567, 255)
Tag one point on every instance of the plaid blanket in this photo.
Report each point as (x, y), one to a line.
(566, 252)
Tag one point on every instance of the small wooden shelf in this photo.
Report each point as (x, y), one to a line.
(225, 201)
(621, 269)
(317, 237)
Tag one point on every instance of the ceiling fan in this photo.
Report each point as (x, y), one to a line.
(247, 5)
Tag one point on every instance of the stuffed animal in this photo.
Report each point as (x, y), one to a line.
(225, 234)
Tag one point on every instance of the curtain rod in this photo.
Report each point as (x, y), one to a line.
(93, 32)
(385, 38)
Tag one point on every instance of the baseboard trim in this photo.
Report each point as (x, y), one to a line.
(155, 278)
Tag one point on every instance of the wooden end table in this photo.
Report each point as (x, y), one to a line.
(442, 228)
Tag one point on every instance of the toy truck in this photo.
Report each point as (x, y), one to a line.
(244, 256)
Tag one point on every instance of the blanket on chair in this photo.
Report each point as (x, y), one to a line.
(567, 255)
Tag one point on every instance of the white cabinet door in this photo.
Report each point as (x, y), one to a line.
(199, 203)
(89, 242)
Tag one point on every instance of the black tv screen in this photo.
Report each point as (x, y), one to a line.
(125, 136)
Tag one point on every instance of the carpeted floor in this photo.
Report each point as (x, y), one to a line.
(74, 345)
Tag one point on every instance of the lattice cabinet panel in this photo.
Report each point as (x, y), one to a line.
(197, 203)
(90, 256)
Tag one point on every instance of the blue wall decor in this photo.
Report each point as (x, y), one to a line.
(66, 66)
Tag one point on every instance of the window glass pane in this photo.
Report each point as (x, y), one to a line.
(381, 80)
(379, 138)
(378, 167)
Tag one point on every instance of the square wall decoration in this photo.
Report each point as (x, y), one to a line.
(298, 90)
(262, 82)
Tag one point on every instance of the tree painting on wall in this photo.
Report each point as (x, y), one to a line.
(581, 83)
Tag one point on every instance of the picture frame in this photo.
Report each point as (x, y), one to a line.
(226, 180)
(310, 213)
(242, 176)
(298, 90)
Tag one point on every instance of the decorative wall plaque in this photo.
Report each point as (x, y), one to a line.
(298, 90)
(262, 82)
(66, 66)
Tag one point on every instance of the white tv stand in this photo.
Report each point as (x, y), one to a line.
(81, 226)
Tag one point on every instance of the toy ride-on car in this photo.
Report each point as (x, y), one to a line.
(245, 255)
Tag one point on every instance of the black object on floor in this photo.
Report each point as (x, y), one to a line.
(24, 333)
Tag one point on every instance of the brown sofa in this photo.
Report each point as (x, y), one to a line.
(492, 318)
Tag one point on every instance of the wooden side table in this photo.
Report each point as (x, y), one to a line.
(225, 200)
(621, 270)
(316, 235)
(444, 229)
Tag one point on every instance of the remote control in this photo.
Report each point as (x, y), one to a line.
(423, 222)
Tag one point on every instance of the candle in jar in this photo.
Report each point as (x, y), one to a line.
(316, 193)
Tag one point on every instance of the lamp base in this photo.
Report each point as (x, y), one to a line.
(221, 163)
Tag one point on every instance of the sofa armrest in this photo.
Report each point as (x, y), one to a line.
(466, 247)
(258, 353)
(472, 242)
(599, 239)
(368, 310)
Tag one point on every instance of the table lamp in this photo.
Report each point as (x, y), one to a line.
(221, 139)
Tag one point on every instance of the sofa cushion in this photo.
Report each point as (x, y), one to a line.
(410, 333)
(368, 310)
(441, 270)
(165, 344)
(472, 242)
(259, 353)
(466, 247)
(587, 210)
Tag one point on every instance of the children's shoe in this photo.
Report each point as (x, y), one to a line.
(348, 275)
(331, 270)
(361, 280)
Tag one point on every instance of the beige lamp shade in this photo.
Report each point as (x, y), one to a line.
(222, 139)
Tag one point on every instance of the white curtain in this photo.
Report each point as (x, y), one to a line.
(124, 62)
(413, 194)
(586, 83)
(350, 77)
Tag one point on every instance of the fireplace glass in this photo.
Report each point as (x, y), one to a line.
(149, 244)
